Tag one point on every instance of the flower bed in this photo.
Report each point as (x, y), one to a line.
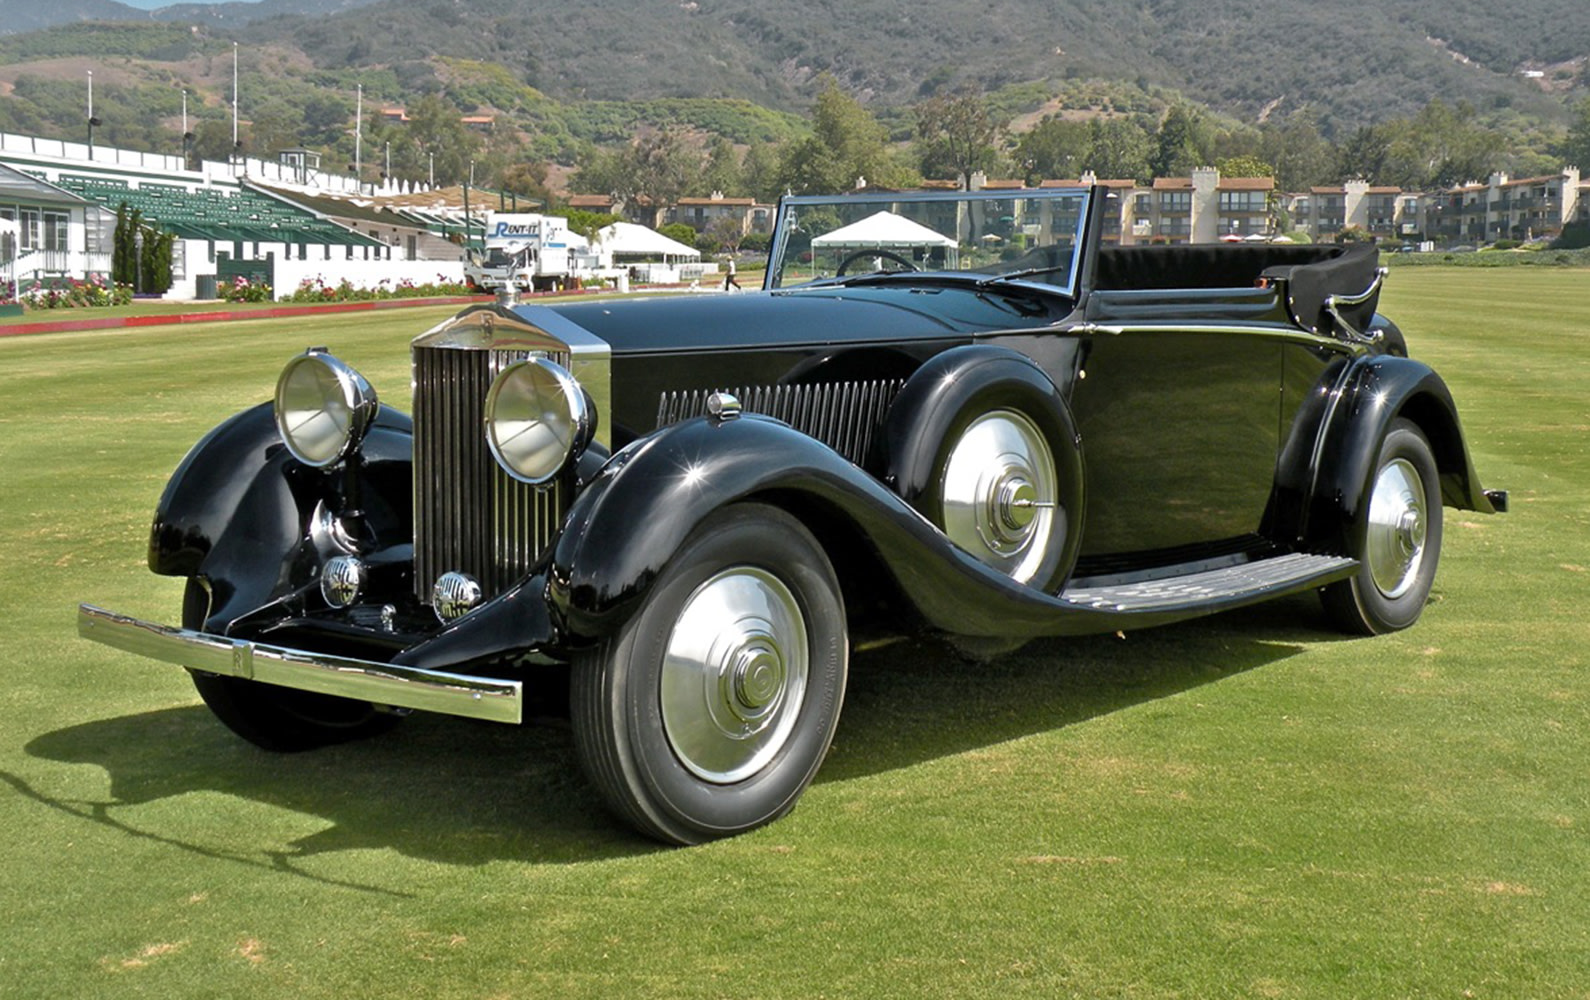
(316, 290)
(240, 289)
(75, 294)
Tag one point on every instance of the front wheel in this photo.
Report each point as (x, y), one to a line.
(710, 710)
(277, 718)
(1401, 524)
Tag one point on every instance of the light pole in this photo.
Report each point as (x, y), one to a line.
(235, 144)
(187, 137)
(92, 121)
(358, 138)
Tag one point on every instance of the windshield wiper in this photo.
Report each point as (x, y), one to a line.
(1026, 272)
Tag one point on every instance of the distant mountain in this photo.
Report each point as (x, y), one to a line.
(1350, 60)
(224, 14)
(1346, 62)
(20, 16)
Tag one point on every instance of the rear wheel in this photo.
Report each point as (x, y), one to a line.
(1401, 521)
(277, 718)
(708, 713)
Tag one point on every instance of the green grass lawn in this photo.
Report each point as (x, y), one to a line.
(1244, 806)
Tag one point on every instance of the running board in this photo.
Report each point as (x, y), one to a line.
(1217, 588)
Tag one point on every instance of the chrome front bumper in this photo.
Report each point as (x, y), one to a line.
(363, 680)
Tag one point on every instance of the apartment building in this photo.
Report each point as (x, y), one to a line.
(1382, 212)
(701, 213)
(1504, 208)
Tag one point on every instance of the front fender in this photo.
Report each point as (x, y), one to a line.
(629, 522)
(239, 505)
(1373, 391)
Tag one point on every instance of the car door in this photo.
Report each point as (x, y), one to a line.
(1179, 428)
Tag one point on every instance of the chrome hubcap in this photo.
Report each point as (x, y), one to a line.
(734, 674)
(1397, 523)
(1000, 488)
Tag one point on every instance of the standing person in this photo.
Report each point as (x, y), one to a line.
(728, 276)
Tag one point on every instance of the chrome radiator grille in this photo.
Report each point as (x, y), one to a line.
(469, 515)
(846, 416)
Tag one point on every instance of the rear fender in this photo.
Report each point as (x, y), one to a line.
(1348, 422)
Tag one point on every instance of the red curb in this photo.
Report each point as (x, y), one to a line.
(280, 312)
(226, 316)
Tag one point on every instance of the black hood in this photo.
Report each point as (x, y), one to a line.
(687, 322)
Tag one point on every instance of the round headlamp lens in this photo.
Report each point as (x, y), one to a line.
(536, 418)
(323, 408)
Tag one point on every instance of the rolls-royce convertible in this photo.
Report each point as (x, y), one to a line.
(967, 414)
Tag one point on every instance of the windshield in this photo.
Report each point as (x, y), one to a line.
(1025, 233)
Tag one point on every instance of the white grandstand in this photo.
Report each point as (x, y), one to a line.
(261, 220)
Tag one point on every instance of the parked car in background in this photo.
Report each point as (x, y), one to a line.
(961, 414)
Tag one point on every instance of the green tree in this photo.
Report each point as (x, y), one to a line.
(1365, 154)
(760, 170)
(680, 231)
(664, 165)
(1119, 148)
(1244, 166)
(656, 169)
(434, 129)
(722, 171)
(1054, 148)
(847, 145)
(725, 232)
(1181, 144)
(526, 178)
(588, 224)
(154, 262)
(212, 140)
(958, 135)
(1441, 146)
(1576, 147)
(124, 250)
(1301, 155)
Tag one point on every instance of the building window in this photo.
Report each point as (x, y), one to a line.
(1175, 201)
(28, 223)
(1242, 201)
(55, 230)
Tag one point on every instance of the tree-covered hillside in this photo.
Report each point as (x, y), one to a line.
(1351, 61)
(720, 94)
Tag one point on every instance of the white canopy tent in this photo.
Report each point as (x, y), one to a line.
(634, 241)
(888, 231)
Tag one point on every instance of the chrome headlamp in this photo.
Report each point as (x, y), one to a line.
(323, 408)
(537, 418)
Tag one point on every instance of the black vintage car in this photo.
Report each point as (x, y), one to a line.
(962, 413)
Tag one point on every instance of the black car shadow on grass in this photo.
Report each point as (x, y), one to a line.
(918, 700)
(461, 792)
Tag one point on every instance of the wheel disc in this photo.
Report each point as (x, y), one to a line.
(1398, 520)
(734, 674)
(999, 489)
